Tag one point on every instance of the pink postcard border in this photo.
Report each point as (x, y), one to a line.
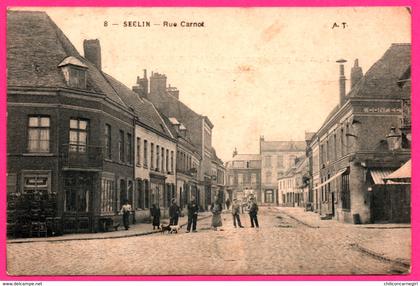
(415, 272)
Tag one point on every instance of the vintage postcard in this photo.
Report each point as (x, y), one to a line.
(208, 141)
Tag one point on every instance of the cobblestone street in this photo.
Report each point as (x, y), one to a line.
(282, 245)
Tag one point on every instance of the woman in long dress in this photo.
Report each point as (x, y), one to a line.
(155, 213)
(216, 209)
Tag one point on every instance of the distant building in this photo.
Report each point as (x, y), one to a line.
(243, 176)
(276, 158)
(293, 186)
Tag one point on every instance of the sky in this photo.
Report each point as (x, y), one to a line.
(252, 71)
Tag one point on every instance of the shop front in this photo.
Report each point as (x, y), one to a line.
(79, 190)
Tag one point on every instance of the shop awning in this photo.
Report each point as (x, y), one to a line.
(379, 174)
(402, 175)
(339, 173)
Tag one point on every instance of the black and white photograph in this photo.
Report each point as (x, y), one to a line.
(208, 141)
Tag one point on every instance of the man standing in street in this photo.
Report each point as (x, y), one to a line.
(125, 211)
(174, 212)
(253, 211)
(236, 212)
(192, 216)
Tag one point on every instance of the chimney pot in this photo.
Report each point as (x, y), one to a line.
(342, 82)
(356, 74)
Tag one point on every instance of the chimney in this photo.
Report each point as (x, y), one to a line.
(157, 83)
(342, 82)
(356, 74)
(92, 51)
(173, 91)
(235, 152)
(142, 87)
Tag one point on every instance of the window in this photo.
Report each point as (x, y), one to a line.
(130, 192)
(269, 198)
(345, 191)
(335, 147)
(123, 192)
(138, 151)
(157, 158)
(267, 161)
(146, 195)
(39, 134)
(172, 161)
(108, 148)
(152, 158)
(292, 160)
(167, 160)
(77, 78)
(107, 195)
(162, 169)
(78, 135)
(140, 194)
(129, 149)
(268, 177)
(145, 153)
(253, 178)
(121, 146)
(280, 161)
(240, 179)
(11, 182)
(342, 142)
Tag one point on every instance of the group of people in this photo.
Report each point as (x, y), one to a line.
(192, 208)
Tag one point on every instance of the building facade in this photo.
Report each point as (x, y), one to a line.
(276, 158)
(199, 127)
(358, 143)
(243, 176)
(293, 186)
(155, 155)
(61, 113)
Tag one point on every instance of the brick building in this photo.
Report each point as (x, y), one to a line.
(358, 144)
(198, 130)
(62, 110)
(155, 154)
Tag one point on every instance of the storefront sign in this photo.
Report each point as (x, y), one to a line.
(381, 110)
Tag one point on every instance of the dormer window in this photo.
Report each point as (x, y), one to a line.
(75, 72)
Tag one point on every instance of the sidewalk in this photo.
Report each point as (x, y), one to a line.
(312, 219)
(387, 241)
(138, 229)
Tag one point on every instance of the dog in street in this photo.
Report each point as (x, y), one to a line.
(170, 228)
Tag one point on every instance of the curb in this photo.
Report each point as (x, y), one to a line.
(98, 238)
(378, 256)
(298, 220)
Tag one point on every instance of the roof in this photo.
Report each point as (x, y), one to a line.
(181, 138)
(246, 157)
(403, 174)
(214, 156)
(283, 146)
(309, 135)
(144, 110)
(72, 61)
(381, 79)
(35, 48)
